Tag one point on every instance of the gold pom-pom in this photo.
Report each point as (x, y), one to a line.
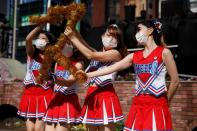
(72, 69)
(73, 12)
(41, 78)
(80, 76)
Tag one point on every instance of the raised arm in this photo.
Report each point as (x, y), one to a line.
(78, 41)
(71, 80)
(172, 71)
(30, 37)
(121, 65)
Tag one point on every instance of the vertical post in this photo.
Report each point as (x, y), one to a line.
(14, 30)
(77, 1)
(78, 23)
(48, 5)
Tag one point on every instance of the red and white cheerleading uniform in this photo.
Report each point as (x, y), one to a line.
(101, 105)
(64, 107)
(149, 110)
(36, 97)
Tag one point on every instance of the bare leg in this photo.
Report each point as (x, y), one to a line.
(30, 124)
(62, 127)
(109, 127)
(49, 127)
(92, 128)
(39, 125)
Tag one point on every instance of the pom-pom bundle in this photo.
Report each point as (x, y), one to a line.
(73, 13)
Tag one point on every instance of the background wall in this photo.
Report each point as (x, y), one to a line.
(183, 106)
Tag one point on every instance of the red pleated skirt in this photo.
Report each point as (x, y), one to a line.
(149, 113)
(34, 102)
(63, 109)
(101, 106)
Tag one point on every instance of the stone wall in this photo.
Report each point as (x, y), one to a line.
(183, 106)
(10, 93)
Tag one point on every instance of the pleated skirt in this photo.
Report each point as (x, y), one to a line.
(34, 102)
(63, 109)
(101, 106)
(149, 113)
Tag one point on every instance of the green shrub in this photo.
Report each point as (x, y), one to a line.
(82, 127)
(79, 127)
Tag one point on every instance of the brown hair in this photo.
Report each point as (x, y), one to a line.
(117, 33)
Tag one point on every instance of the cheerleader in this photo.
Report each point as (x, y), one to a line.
(101, 109)
(149, 110)
(36, 97)
(64, 108)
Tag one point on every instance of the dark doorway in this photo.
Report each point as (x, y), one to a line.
(7, 111)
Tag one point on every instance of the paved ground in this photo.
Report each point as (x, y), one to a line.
(21, 129)
(12, 124)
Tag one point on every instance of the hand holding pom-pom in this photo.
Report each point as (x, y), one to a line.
(51, 79)
(69, 32)
(81, 76)
(73, 13)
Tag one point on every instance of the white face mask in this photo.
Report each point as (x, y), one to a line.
(40, 44)
(109, 42)
(67, 50)
(141, 38)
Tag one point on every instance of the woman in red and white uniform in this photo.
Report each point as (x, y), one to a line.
(149, 110)
(64, 108)
(101, 109)
(36, 97)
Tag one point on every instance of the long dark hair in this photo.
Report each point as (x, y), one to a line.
(157, 30)
(52, 39)
(117, 33)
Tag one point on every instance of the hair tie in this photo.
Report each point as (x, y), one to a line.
(157, 26)
(114, 25)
